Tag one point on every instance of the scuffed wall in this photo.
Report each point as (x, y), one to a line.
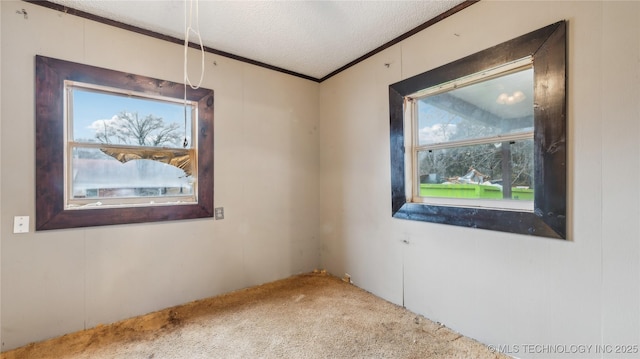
(500, 288)
(266, 178)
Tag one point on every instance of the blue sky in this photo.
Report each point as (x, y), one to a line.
(90, 106)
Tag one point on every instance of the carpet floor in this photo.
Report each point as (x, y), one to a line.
(306, 316)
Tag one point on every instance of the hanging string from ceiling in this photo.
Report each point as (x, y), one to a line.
(189, 28)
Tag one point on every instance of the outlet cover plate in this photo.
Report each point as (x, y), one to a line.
(219, 212)
(21, 224)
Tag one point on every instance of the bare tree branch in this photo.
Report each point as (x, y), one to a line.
(129, 128)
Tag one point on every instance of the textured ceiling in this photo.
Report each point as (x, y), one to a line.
(312, 38)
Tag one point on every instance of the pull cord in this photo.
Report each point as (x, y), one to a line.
(187, 32)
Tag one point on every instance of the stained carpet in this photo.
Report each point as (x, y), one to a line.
(305, 316)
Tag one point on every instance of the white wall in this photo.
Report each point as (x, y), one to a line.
(266, 170)
(499, 288)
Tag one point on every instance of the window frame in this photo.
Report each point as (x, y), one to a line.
(412, 121)
(71, 202)
(50, 147)
(547, 47)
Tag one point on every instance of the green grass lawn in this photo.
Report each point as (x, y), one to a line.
(472, 191)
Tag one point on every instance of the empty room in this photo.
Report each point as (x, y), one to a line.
(319, 179)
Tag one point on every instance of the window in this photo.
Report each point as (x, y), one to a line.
(473, 139)
(480, 142)
(114, 148)
(124, 149)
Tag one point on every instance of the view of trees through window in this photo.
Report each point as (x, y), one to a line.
(480, 164)
(481, 135)
(129, 147)
(133, 129)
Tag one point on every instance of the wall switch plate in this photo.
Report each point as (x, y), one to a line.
(218, 212)
(21, 224)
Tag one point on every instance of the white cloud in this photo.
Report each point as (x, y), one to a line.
(100, 125)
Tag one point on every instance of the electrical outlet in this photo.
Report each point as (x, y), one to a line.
(21, 224)
(218, 212)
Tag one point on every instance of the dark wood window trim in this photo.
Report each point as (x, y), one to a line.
(50, 211)
(547, 46)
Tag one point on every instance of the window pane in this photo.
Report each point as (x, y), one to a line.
(98, 175)
(499, 106)
(478, 171)
(118, 119)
